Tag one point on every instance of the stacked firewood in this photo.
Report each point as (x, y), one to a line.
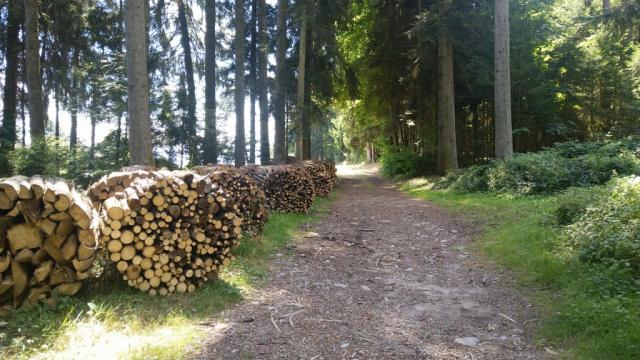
(170, 232)
(48, 239)
(244, 193)
(288, 188)
(115, 182)
(323, 175)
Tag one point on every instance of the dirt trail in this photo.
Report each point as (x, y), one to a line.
(381, 276)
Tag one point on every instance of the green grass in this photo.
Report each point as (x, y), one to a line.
(108, 317)
(586, 311)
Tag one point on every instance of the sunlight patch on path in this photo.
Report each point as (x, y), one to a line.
(358, 171)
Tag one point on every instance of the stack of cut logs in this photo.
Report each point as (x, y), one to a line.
(323, 176)
(115, 182)
(288, 188)
(170, 231)
(48, 235)
(165, 231)
(244, 192)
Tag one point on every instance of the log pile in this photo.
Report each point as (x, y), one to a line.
(48, 239)
(323, 175)
(115, 182)
(170, 232)
(287, 188)
(244, 193)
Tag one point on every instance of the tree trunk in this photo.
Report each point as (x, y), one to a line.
(280, 147)
(190, 126)
(447, 153)
(606, 6)
(34, 81)
(119, 140)
(10, 98)
(253, 81)
(140, 144)
(23, 116)
(92, 148)
(301, 144)
(239, 83)
(210, 146)
(73, 101)
(263, 83)
(57, 104)
(504, 137)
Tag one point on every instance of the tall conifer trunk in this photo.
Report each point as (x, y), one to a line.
(10, 97)
(34, 80)
(239, 83)
(301, 144)
(447, 153)
(263, 82)
(504, 136)
(280, 147)
(140, 144)
(190, 126)
(210, 146)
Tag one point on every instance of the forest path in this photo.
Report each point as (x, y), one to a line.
(380, 276)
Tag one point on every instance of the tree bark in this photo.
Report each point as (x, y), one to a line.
(140, 144)
(504, 136)
(34, 81)
(301, 124)
(210, 146)
(280, 148)
(10, 98)
(73, 101)
(190, 126)
(265, 156)
(239, 83)
(92, 148)
(447, 153)
(253, 88)
(606, 6)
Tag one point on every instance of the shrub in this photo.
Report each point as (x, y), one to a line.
(50, 157)
(599, 168)
(556, 169)
(533, 173)
(404, 163)
(572, 203)
(471, 179)
(609, 231)
(572, 149)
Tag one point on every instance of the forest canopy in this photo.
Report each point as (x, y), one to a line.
(431, 84)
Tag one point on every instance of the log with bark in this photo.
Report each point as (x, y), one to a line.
(323, 175)
(116, 182)
(48, 239)
(244, 193)
(170, 232)
(288, 188)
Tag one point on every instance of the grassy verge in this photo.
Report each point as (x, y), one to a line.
(111, 320)
(588, 311)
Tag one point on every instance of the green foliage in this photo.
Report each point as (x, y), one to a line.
(555, 169)
(402, 163)
(533, 173)
(574, 202)
(50, 157)
(609, 231)
(472, 179)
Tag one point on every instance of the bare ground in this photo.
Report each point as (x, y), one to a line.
(381, 276)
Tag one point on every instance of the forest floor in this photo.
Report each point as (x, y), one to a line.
(380, 276)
